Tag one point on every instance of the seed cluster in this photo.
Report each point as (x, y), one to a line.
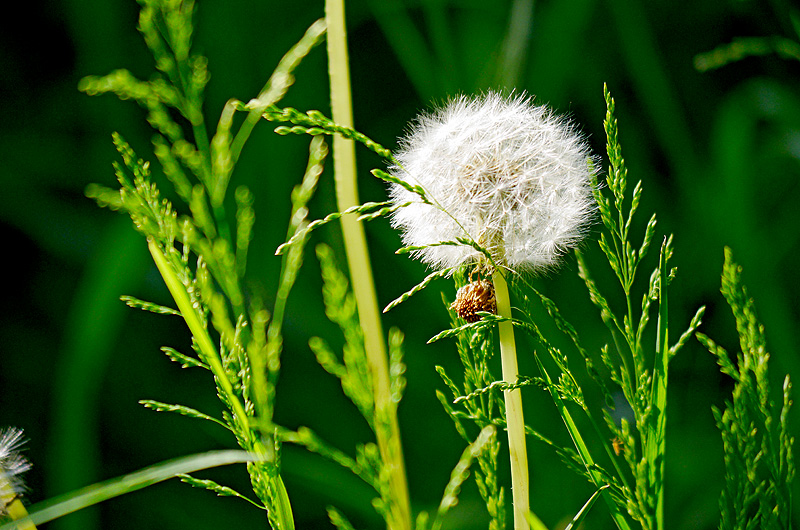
(473, 297)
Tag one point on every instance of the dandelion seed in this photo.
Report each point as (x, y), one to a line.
(12, 466)
(508, 174)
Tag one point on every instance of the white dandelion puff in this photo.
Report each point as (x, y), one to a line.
(509, 175)
(12, 466)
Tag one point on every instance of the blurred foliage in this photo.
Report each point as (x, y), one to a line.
(718, 153)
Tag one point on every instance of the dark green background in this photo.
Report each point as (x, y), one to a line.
(718, 153)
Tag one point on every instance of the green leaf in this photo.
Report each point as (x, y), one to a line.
(221, 491)
(338, 519)
(180, 409)
(65, 504)
(368, 207)
(413, 188)
(417, 288)
(472, 326)
(460, 474)
(397, 381)
(585, 509)
(496, 385)
(130, 301)
(184, 360)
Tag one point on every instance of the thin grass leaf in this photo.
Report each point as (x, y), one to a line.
(421, 522)
(655, 435)
(303, 233)
(417, 288)
(245, 219)
(472, 326)
(460, 474)
(693, 325)
(588, 463)
(277, 85)
(64, 504)
(314, 443)
(413, 188)
(496, 385)
(180, 409)
(221, 491)
(184, 360)
(585, 509)
(338, 519)
(130, 301)
(397, 381)
(743, 47)
(414, 248)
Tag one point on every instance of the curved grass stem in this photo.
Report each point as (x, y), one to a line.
(211, 357)
(513, 398)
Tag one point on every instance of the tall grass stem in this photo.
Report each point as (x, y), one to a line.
(344, 163)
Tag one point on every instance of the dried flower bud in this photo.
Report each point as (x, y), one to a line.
(473, 297)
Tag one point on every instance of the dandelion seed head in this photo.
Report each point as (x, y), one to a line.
(512, 176)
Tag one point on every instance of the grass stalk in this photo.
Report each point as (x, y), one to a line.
(583, 450)
(344, 163)
(657, 445)
(212, 358)
(513, 398)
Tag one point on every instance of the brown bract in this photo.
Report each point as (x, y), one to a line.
(473, 297)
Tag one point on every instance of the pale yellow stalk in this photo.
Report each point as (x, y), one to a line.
(344, 165)
(16, 511)
(513, 398)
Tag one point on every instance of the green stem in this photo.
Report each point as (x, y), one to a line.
(513, 398)
(656, 442)
(344, 163)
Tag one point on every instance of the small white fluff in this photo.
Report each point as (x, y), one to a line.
(509, 174)
(12, 465)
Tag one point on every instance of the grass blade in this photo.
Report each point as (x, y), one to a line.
(97, 493)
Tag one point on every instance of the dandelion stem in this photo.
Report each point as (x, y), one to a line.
(387, 431)
(513, 399)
